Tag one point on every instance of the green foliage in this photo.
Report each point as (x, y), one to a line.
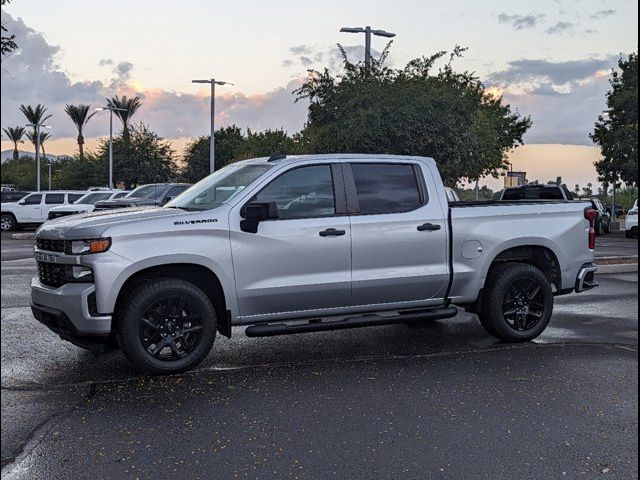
(414, 111)
(78, 173)
(21, 172)
(145, 158)
(617, 132)
(232, 145)
(128, 107)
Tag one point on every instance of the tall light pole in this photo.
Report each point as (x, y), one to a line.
(212, 144)
(36, 129)
(367, 39)
(111, 110)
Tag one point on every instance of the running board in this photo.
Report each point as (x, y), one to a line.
(273, 329)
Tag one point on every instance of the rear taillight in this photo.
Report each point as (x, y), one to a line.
(591, 215)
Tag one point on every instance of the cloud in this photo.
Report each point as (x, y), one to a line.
(560, 28)
(307, 57)
(603, 14)
(301, 50)
(520, 22)
(32, 76)
(555, 72)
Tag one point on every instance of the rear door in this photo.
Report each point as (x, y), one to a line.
(301, 261)
(398, 234)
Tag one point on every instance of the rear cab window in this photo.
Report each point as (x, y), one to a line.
(54, 198)
(388, 187)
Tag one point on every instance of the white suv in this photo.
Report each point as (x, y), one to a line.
(85, 204)
(34, 208)
(631, 222)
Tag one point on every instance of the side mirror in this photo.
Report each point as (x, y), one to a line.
(22, 202)
(256, 212)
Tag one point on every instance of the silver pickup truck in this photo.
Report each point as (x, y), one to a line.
(298, 244)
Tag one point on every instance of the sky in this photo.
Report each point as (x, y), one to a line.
(550, 59)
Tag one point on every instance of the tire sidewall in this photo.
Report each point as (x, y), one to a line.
(140, 301)
(494, 316)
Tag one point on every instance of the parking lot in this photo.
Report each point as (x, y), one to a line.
(437, 400)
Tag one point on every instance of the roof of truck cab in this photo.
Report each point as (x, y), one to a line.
(340, 156)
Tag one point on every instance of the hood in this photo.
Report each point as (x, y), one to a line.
(125, 202)
(91, 225)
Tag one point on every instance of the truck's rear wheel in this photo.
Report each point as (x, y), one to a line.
(166, 326)
(7, 222)
(517, 303)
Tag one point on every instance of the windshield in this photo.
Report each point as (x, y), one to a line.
(92, 198)
(147, 191)
(219, 187)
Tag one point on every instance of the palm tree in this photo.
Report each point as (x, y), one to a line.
(35, 115)
(44, 136)
(80, 116)
(15, 134)
(130, 106)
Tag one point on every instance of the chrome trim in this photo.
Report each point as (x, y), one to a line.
(582, 274)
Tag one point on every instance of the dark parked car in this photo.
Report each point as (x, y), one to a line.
(619, 210)
(603, 221)
(537, 192)
(153, 194)
(13, 196)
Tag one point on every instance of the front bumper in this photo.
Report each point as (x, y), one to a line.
(70, 312)
(586, 278)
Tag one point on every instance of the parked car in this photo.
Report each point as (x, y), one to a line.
(305, 244)
(537, 192)
(153, 194)
(10, 196)
(85, 204)
(33, 209)
(603, 221)
(631, 222)
(619, 209)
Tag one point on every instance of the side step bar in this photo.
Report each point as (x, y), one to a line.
(273, 329)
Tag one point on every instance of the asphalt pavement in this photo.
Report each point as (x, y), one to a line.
(437, 400)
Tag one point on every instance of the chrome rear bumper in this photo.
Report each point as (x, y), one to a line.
(586, 278)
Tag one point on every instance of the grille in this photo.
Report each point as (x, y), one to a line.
(50, 245)
(54, 275)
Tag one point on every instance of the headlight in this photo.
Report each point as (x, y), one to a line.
(95, 245)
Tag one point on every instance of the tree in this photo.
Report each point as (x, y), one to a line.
(21, 172)
(79, 115)
(412, 111)
(144, 158)
(44, 136)
(7, 42)
(617, 132)
(15, 134)
(35, 116)
(129, 106)
(230, 145)
(78, 173)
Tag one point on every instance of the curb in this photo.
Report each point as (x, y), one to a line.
(617, 268)
(23, 236)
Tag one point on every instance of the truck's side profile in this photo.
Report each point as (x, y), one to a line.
(301, 244)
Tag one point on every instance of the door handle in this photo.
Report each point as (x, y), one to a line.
(430, 227)
(332, 232)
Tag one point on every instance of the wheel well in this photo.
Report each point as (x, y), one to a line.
(535, 255)
(200, 276)
(9, 213)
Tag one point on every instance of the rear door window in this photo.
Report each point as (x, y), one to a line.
(386, 188)
(54, 198)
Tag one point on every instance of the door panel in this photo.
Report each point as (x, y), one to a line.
(398, 257)
(302, 260)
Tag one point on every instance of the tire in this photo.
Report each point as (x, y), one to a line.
(628, 234)
(7, 222)
(607, 228)
(175, 319)
(511, 288)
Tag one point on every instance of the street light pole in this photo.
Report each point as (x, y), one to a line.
(367, 39)
(212, 142)
(111, 109)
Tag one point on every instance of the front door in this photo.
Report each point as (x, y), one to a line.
(30, 209)
(398, 234)
(301, 261)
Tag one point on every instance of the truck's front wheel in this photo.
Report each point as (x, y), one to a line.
(517, 303)
(166, 326)
(7, 222)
